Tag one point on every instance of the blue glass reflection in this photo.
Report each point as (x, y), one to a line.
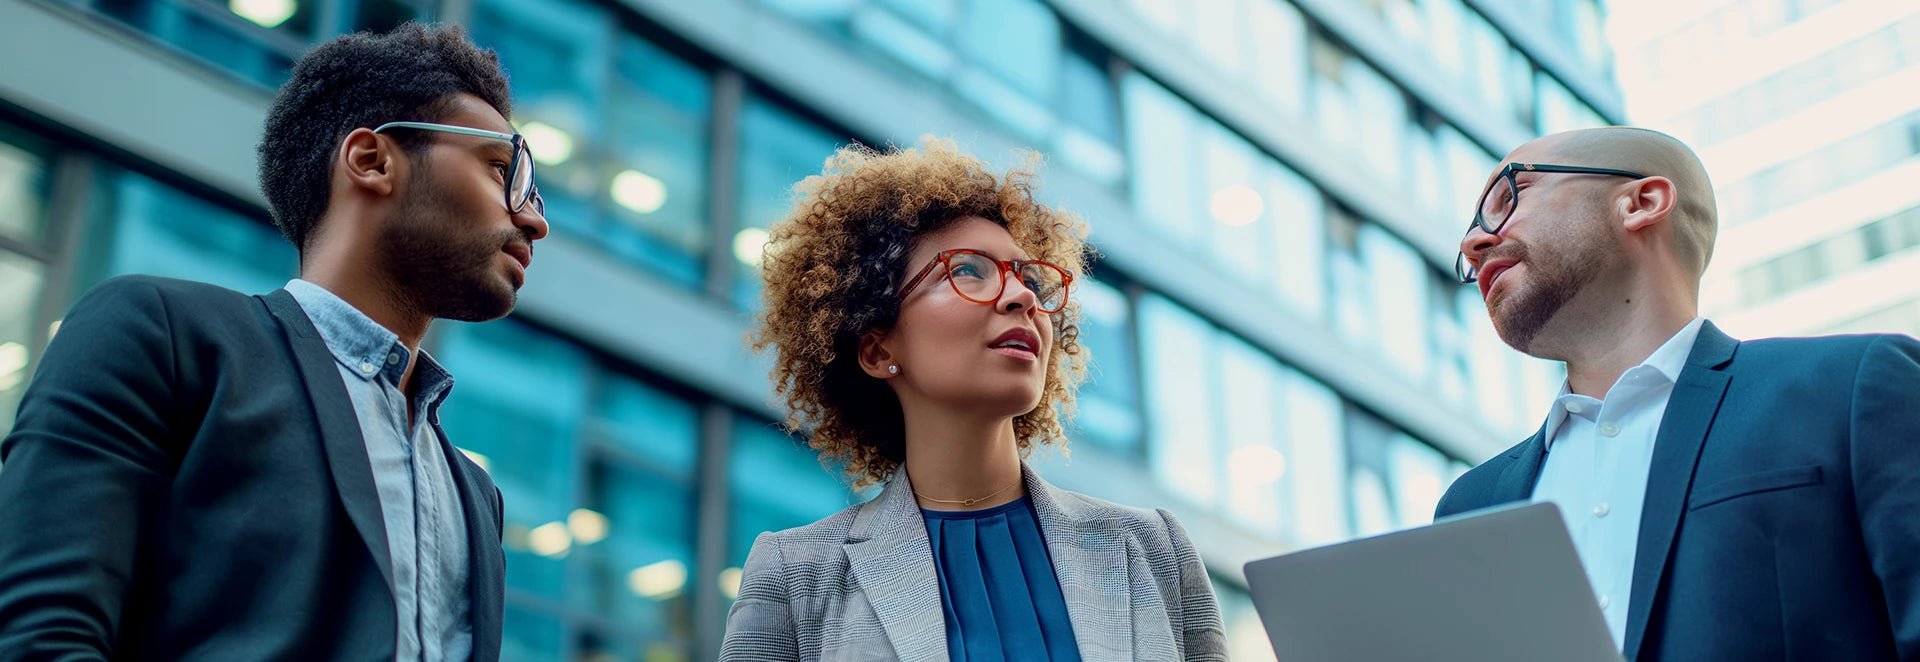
(777, 483)
(517, 398)
(159, 230)
(777, 150)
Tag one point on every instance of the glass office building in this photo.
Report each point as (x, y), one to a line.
(1276, 190)
(1807, 114)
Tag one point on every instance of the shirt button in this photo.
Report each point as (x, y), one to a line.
(1574, 407)
(393, 358)
(1609, 429)
(1601, 510)
(1605, 601)
(366, 368)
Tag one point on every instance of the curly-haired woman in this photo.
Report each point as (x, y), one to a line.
(918, 309)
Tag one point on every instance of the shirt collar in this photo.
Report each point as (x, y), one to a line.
(365, 348)
(1667, 361)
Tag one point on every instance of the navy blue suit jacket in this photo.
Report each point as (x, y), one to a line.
(187, 481)
(1782, 516)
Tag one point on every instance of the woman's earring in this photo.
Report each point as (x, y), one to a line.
(893, 370)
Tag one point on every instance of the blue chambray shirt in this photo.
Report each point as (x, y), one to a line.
(426, 527)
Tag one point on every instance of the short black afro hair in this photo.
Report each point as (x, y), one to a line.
(363, 80)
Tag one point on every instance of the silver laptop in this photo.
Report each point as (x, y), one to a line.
(1490, 586)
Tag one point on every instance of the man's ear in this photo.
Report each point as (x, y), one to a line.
(875, 358)
(1650, 202)
(370, 162)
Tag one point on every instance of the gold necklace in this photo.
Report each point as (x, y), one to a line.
(967, 502)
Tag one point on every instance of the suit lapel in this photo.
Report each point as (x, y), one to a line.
(339, 430)
(1676, 450)
(1092, 568)
(892, 559)
(486, 562)
(1522, 472)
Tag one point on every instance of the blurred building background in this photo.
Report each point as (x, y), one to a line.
(1283, 358)
(1807, 114)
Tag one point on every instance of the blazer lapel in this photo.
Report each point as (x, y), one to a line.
(1522, 473)
(1091, 565)
(339, 430)
(1676, 450)
(892, 559)
(485, 560)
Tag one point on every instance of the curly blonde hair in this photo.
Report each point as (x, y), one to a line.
(832, 267)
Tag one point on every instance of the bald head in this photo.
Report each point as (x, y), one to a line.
(1652, 153)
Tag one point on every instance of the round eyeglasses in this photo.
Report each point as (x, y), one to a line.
(519, 175)
(1503, 194)
(982, 279)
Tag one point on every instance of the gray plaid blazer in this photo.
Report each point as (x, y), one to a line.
(860, 585)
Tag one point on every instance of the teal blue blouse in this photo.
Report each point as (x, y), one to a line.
(997, 587)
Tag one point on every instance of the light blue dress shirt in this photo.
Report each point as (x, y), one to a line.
(426, 526)
(1598, 455)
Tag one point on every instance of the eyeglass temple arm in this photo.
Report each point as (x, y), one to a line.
(445, 128)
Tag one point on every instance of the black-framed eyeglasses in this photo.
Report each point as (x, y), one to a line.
(967, 271)
(1496, 203)
(519, 175)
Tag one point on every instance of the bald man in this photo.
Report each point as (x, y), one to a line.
(1731, 500)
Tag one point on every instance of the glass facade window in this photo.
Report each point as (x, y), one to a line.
(1233, 430)
(1468, 168)
(778, 148)
(24, 183)
(1883, 53)
(1216, 32)
(257, 40)
(1280, 63)
(1825, 169)
(618, 126)
(1009, 37)
(1399, 281)
(21, 281)
(1257, 484)
(1830, 258)
(1315, 419)
(156, 229)
(1449, 343)
(1333, 109)
(528, 444)
(1349, 286)
(597, 475)
(1108, 411)
(1237, 219)
(1297, 211)
(777, 483)
(1560, 110)
(1492, 365)
(1381, 114)
(1448, 46)
(1179, 363)
(1090, 137)
(1427, 177)
(1397, 480)
(24, 187)
(1488, 54)
(1161, 132)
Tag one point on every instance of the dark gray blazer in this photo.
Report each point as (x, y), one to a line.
(187, 481)
(860, 585)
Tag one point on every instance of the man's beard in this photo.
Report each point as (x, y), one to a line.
(440, 269)
(1553, 280)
